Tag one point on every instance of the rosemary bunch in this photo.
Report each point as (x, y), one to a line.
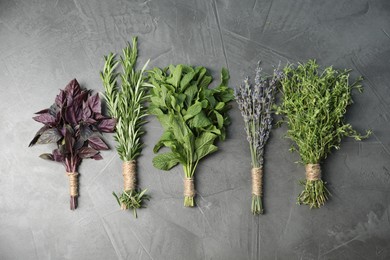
(127, 105)
(314, 104)
(255, 102)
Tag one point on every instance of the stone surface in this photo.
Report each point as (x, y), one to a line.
(44, 44)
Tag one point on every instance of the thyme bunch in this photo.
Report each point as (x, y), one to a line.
(314, 103)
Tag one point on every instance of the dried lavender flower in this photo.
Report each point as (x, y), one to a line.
(255, 102)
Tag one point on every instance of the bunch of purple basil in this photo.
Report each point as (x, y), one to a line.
(73, 122)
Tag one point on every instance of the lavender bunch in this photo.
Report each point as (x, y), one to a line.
(255, 102)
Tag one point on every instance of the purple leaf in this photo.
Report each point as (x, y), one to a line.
(69, 139)
(87, 152)
(86, 111)
(37, 135)
(60, 98)
(50, 135)
(99, 116)
(97, 143)
(43, 111)
(53, 110)
(83, 96)
(47, 156)
(70, 115)
(45, 118)
(57, 156)
(94, 103)
(79, 113)
(85, 132)
(73, 88)
(90, 121)
(79, 143)
(97, 157)
(107, 125)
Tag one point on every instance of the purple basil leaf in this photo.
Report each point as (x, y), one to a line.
(87, 152)
(70, 115)
(107, 125)
(60, 98)
(51, 135)
(47, 156)
(37, 135)
(80, 98)
(99, 116)
(69, 139)
(97, 157)
(79, 143)
(79, 114)
(96, 143)
(62, 149)
(43, 111)
(53, 110)
(86, 111)
(73, 88)
(57, 156)
(90, 121)
(94, 103)
(45, 118)
(85, 132)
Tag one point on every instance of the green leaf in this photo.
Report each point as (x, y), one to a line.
(224, 77)
(205, 139)
(219, 106)
(219, 119)
(205, 82)
(178, 127)
(173, 102)
(204, 145)
(165, 161)
(202, 72)
(158, 101)
(193, 110)
(176, 75)
(167, 139)
(190, 94)
(186, 80)
(164, 121)
(201, 120)
(155, 110)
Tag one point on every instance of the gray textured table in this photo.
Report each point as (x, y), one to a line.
(44, 44)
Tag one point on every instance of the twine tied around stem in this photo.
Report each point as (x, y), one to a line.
(73, 183)
(189, 187)
(257, 181)
(129, 175)
(313, 172)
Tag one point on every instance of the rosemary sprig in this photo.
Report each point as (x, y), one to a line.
(127, 105)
